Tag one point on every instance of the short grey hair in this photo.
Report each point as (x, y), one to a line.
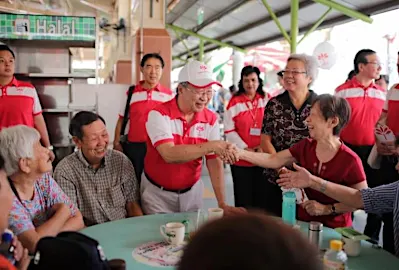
(310, 62)
(15, 143)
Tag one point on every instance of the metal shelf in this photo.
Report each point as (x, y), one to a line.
(57, 75)
(69, 109)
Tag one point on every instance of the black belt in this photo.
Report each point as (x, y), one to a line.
(178, 191)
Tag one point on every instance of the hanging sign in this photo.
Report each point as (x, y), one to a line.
(40, 27)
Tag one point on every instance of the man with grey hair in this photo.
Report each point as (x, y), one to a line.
(181, 132)
(284, 120)
(40, 208)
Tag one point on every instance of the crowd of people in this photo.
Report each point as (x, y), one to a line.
(321, 143)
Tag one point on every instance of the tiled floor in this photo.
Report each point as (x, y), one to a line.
(210, 201)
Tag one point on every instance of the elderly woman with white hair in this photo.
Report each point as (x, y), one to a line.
(40, 208)
(284, 120)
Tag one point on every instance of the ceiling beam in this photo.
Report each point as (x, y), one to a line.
(254, 24)
(181, 12)
(330, 22)
(195, 55)
(214, 18)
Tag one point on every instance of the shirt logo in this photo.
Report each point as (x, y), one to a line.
(200, 128)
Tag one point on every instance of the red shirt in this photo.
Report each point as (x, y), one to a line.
(19, 103)
(166, 124)
(142, 102)
(5, 264)
(391, 108)
(345, 168)
(366, 106)
(243, 122)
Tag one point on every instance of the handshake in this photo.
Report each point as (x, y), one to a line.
(227, 152)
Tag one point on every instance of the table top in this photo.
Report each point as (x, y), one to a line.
(120, 238)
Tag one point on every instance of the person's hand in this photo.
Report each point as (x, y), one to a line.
(283, 170)
(118, 147)
(385, 148)
(258, 149)
(225, 150)
(24, 262)
(316, 209)
(21, 255)
(230, 210)
(61, 208)
(18, 249)
(300, 178)
(52, 156)
(249, 149)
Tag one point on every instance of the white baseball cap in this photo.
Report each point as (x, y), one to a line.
(197, 74)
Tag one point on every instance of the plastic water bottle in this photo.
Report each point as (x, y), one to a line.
(6, 247)
(335, 258)
(289, 208)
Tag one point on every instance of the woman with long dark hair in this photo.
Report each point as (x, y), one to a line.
(243, 123)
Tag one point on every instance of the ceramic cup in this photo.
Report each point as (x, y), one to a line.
(214, 213)
(351, 247)
(173, 232)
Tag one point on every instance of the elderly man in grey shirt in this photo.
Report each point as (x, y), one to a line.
(101, 182)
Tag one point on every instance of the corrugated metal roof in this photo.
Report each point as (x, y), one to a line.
(246, 23)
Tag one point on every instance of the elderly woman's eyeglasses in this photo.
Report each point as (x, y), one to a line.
(292, 72)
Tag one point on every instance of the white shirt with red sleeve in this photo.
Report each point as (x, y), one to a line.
(19, 103)
(391, 108)
(166, 125)
(366, 106)
(142, 102)
(243, 122)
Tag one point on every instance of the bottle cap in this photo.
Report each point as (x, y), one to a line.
(336, 245)
(315, 226)
(289, 196)
(6, 237)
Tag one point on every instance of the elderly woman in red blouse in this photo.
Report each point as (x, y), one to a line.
(324, 155)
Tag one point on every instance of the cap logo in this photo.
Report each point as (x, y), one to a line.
(203, 67)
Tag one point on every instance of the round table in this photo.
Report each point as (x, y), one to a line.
(119, 238)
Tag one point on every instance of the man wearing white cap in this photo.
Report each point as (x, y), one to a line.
(181, 132)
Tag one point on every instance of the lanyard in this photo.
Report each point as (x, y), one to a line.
(18, 197)
(253, 111)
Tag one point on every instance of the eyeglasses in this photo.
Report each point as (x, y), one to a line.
(202, 91)
(376, 64)
(293, 72)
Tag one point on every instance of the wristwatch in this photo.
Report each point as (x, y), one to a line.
(333, 210)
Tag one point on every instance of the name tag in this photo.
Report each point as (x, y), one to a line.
(254, 131)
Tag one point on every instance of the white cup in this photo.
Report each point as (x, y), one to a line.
(351, 247)
(215, 213)
(173, 232)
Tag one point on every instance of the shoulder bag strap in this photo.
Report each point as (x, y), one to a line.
(127, 108)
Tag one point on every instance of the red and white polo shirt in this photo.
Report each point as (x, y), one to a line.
(366, 106)
(243, 122)
(391, 108)
(19, 103)
(142, 102)
(166, 124)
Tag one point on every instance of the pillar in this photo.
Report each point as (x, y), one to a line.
(238, 64)
(150, 14)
